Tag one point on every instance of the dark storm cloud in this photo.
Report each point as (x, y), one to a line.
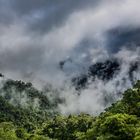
(27, 6)
(65, 25)
(36, 35)
(120, 37)
(6, 13)
(42, 15)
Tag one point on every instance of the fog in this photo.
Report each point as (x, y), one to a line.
(35, 36)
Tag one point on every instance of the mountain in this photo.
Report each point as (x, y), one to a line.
(104, 71)
(119, 121)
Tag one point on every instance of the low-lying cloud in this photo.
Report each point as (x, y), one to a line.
(100, 94)
(35, 36)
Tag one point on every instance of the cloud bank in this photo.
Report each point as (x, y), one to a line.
(35, 36)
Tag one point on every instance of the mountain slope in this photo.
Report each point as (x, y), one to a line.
(119, 121)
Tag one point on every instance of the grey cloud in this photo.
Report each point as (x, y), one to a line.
(24, 59)
(27, 6)
(101, 94)
(35, 35)
(6, 12)
(54, 13)
(120, 37)
(67, 40)
(81, 23)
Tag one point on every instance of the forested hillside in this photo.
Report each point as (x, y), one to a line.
(69, 69)
(24, 121)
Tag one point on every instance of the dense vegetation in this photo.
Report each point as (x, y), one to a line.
(104, 71)
(23, 120)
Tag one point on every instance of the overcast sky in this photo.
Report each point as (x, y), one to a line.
(35, 35)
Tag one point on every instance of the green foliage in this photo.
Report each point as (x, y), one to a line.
(137, 134)
(120, 126)
(121, 121)
(67, 127)
(7, 131)
(24, 94)
(130, 103)
(132, 100)
(24, 105)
